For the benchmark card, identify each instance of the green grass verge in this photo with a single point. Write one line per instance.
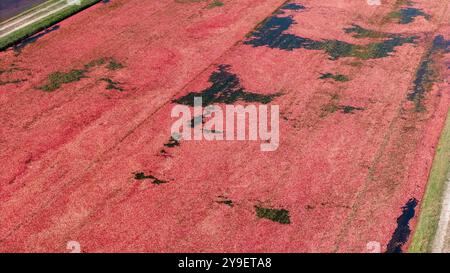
(25, 32)
(215, 4)
(422, 240)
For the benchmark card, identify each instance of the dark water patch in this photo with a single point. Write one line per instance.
(277, 215)
(157, 181)
(345, 109)
(402, 232)
(271, 33)
(225, 200)
(19, 47)
(112, 85)
(226, 88)
(163, 152)
(407, 15)
(425, 75)
(172, 143)
(348, 109)
(336, 77)
(440, 44)
(289, 7)
(142, 176)
(360, 32)
(422, 83)
(292, 6)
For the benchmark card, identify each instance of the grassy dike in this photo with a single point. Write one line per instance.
(423, 238)
(27, 31)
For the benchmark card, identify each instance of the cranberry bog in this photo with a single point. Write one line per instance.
(87, 154)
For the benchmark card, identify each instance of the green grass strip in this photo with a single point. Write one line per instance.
(423, 238)
(27, 31)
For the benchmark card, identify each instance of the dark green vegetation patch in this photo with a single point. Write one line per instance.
(226, 88)
(277, 215)
(348, 109)
(111, 64)
(360, 32)
(142, 176)
(334, 106)
(215, 4)
(114, 65)
(407, 15)
(172, 143)
(56, 79)
(224, 200)
(95, 63)
(336, 77)
(112, 85)
(426, 75)
(271, 33)
(211, 4)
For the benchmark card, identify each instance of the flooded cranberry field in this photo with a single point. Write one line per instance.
(87, 153)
